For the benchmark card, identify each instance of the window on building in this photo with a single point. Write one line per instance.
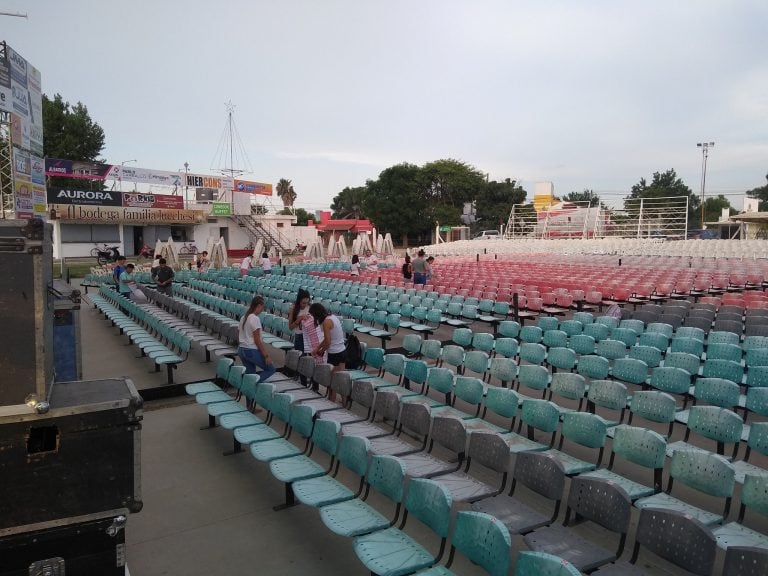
(71, 233)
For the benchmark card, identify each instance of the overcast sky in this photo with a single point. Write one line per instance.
(586, 94)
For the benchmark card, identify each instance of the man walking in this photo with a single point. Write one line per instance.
(163, 277)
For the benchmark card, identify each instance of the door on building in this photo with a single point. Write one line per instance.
(224, 233)
(138, 240)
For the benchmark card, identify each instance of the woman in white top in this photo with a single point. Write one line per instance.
(354, 267)
(245, 265)
(333, 340)
(296, 314)
(253, 351)
(266, 265)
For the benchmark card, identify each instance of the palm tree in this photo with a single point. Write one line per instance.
(286, 192)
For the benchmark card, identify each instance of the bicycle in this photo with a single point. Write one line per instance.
(187, 248)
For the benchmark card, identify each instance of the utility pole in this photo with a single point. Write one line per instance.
(705, 146)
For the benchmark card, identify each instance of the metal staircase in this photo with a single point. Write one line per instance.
(272, 237)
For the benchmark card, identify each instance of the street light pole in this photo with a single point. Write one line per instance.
(186, 189)
(705, 146)
(123, 163)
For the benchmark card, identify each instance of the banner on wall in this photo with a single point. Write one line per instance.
(97, 171)
(221, 209)
(114, 198)
(253, 187)
(21, 96)
(121, 214)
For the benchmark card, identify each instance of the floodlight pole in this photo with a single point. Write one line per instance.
(704, 153)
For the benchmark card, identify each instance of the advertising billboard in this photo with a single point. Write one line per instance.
(21, 96)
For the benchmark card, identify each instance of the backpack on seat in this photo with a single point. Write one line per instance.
(353, 355)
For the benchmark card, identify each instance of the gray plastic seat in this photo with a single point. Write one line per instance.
(674, 536)
(541, 473)
(745, 561)
(598, 501)
(488, 449)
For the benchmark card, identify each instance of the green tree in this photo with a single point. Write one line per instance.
(395, 202)
(286, 193)
(664, 185)
(302, 216)
(761, 194)
(72, 134)
(495, 200)
(446, 186)
(348, 204)
(586, 195)
(713, 207)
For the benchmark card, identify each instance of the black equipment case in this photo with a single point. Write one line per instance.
(26, 310)
(91, 545)
(81, 457)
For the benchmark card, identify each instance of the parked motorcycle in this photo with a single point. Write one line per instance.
(105, 254)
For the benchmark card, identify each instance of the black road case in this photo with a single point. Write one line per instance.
(26, 310)
(81, 457)
(91, 545)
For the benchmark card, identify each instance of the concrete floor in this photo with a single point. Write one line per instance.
(207, 514)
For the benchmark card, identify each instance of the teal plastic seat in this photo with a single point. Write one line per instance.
(476, 361)
(222, 371)
(757, 440)
(531, 334)
(503, 402)
(325, 490)
(610, 395)
(584, 429)
(533, 353)
(503, 369)
(714, 423)
(597, 330)
(630, 370)
(462, 337)
(541, 415)
(754, 495)
(687, 345)
(683, 360)
(654, 406)
(670, 379)
(648, 354)
(351, 518)
(509, 329)
(482, 539)
(727, 369)
(654, 339)
(569, 386)
(611, 349)
(547, 323)
(412, 344)
(553, 338)
(483, 341)
(469, 390)
(543, 564)
(713, 391)
(582, 344)
(593, 366)
(431, 350)
(710, 474)
(724, 351)
(639, 446)
(506, 347)
(572, 327)
(453, 356)
(608, 321)
(626, 335)
(561, 358)
(661, 328)
(391, 552)
(533, 377)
